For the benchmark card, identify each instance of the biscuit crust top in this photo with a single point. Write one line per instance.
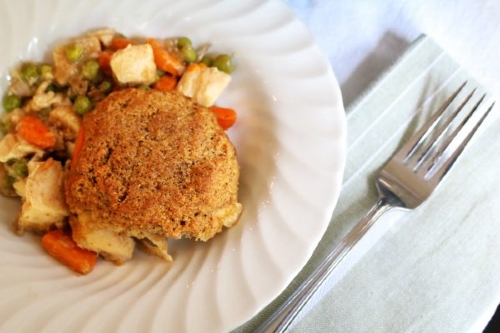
(154, 163)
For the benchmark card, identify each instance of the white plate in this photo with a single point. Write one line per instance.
(290, 138)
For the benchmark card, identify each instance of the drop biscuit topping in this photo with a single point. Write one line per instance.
(153, 164)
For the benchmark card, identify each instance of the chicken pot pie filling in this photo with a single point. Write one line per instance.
(118, 142)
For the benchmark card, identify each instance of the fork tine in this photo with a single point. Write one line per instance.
(428, 128)
(437, 175)
(438, 135)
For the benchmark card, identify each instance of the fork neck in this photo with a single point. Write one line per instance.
(387, 201)
(383, 205)
(386, 196)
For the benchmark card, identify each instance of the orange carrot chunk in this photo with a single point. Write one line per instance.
(165, 60)
(78, 147)
(165, 83)
(118, 43)
(61, 246)
(34, 131)
(225, 117)
(104, 61)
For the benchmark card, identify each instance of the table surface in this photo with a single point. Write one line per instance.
(363, 40)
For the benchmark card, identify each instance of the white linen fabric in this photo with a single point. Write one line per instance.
(361, 38)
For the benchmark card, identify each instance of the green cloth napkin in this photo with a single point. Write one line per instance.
(435, 269)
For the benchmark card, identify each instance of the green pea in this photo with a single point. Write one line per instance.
(45, 112)
(90, 70)
(9, 182)
(20, 168)
(105, 86)
(55, 88)
(4, 128)
(30, 72)
(74, 52)
(189, 53)
(183, 41)
(144, 87)
(207, 60)
(11, 102)
(46, 72)
(82, 105)
(224, 63)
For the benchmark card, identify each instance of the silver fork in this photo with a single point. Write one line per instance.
(406, 181)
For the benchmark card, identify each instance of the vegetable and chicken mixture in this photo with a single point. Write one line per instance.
(45, 102)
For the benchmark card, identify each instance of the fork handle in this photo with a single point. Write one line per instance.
(281, 320)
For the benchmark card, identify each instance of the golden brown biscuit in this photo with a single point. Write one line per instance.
(153, 164)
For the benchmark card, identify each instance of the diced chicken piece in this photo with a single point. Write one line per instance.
(105, 35)
(44, 99)
(13, 117)
(64, 69)
(20, 187)
(229, 214)
(70, 148)
(13, 147)
(43, 206)
(19, 87)
(134, 64)
(203, 84)
(79, 86)
(113, 247)
(66, 117)
(157, 246)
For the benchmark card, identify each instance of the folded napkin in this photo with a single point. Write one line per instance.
(434, 269)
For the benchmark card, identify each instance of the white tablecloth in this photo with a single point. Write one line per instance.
(362, 38)
(436, 269)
